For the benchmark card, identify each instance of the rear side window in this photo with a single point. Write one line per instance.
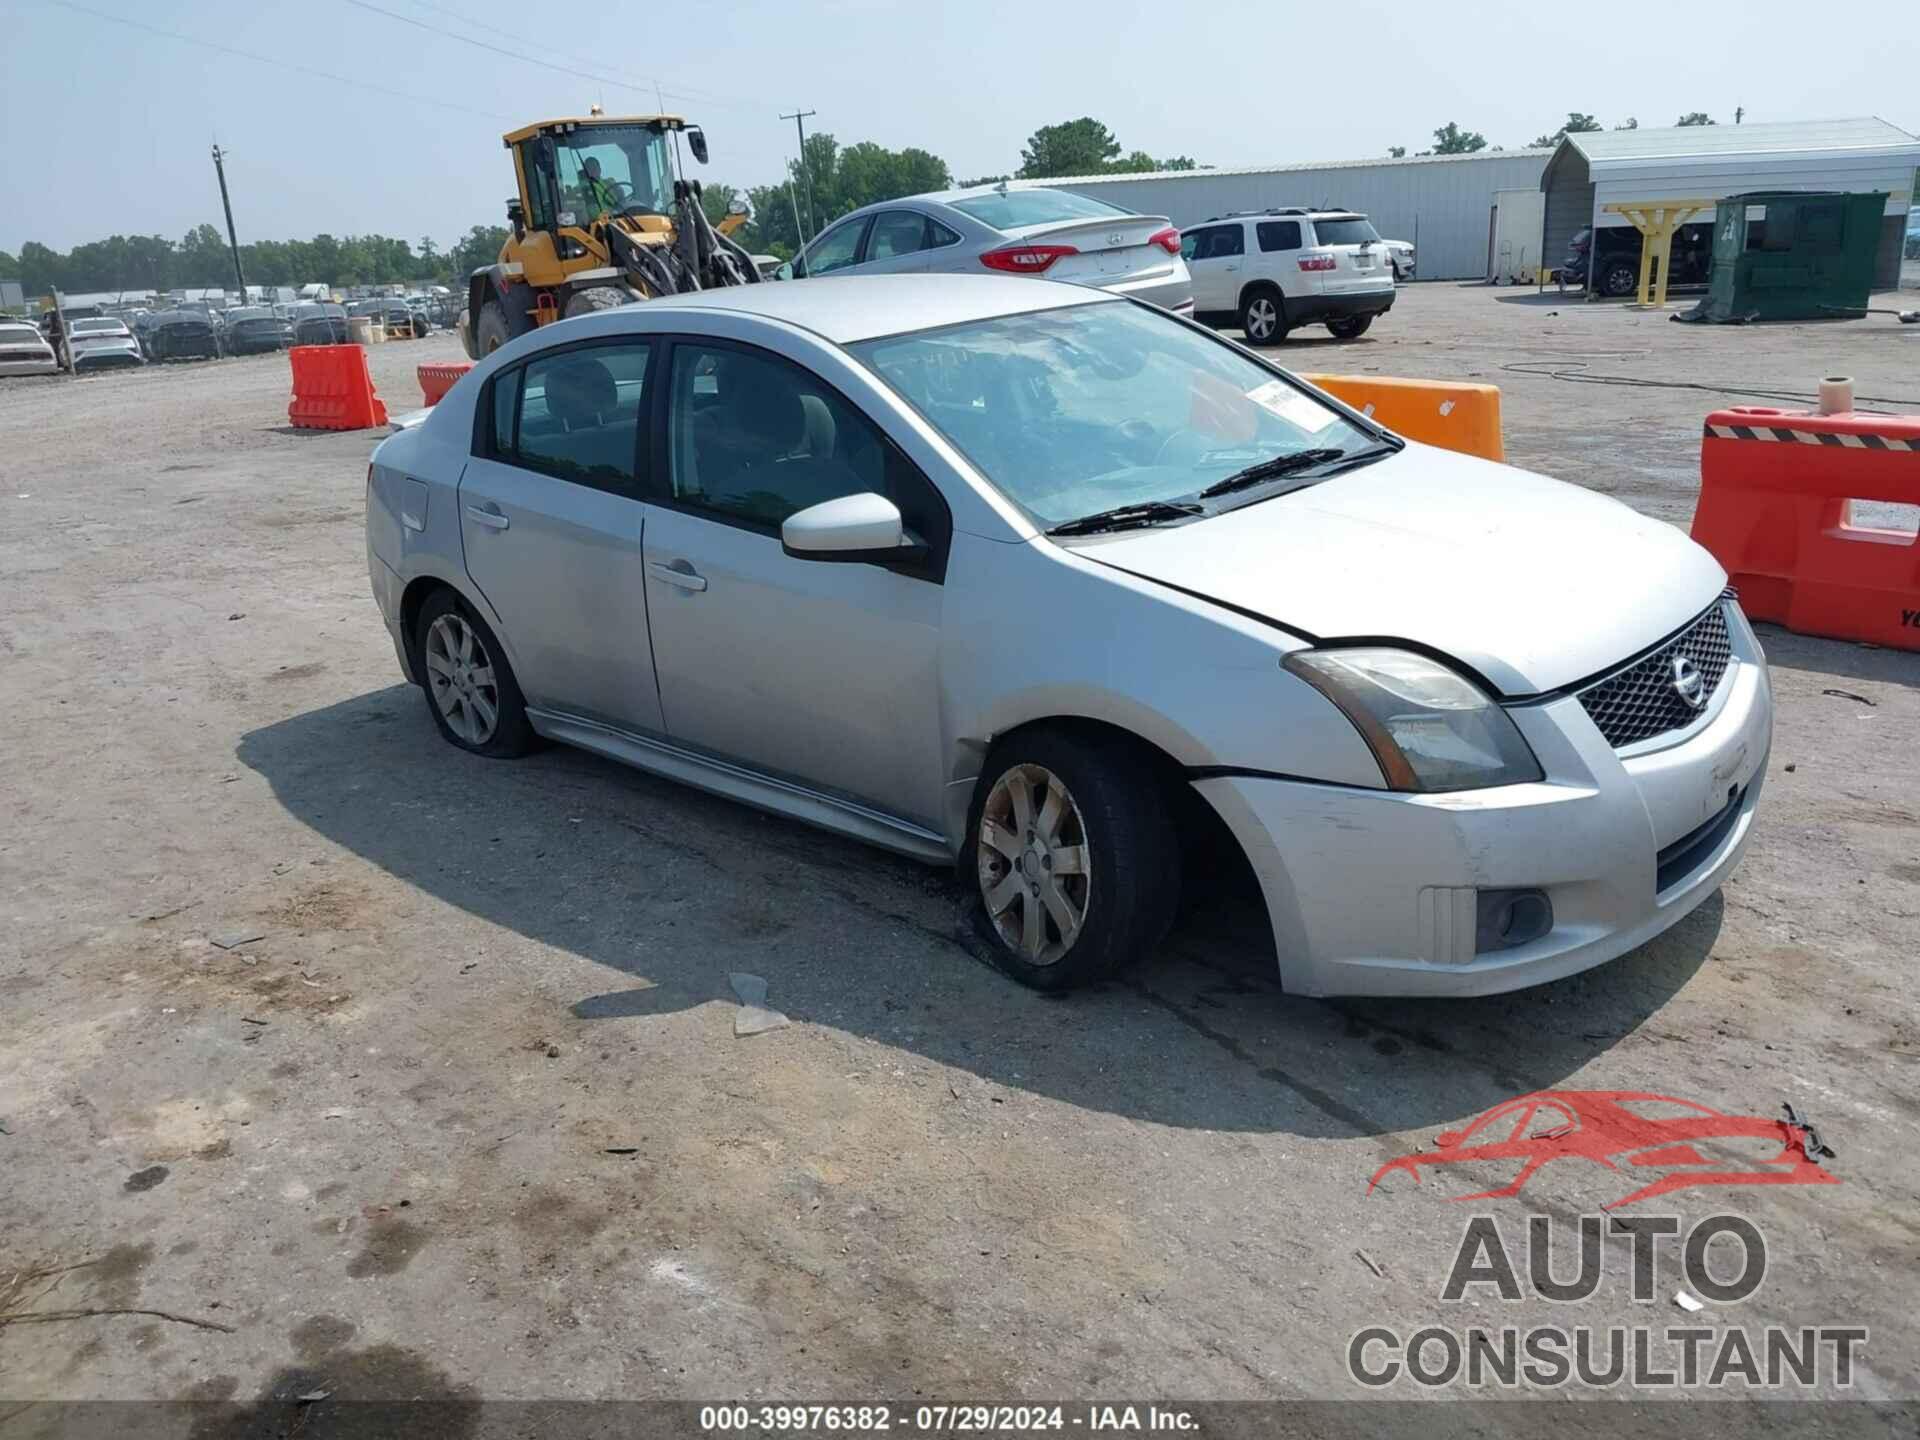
(575, 414)
(939, 235)
(1016, 209)
(1279, 234)
(896, 233)
(1356, 231)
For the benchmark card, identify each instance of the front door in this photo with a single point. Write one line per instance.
(822, 673)
(1214, 255)
(552, 523)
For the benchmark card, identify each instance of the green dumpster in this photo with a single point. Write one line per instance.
(1792, 255)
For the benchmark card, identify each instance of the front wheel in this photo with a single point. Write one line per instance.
(474, 699)
(1351, 327)
(1263, 316)
(490, 331)
(1072, 846)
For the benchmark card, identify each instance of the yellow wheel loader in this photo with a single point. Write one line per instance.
(601, 220)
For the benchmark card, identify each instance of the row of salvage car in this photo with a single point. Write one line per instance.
(101, 342)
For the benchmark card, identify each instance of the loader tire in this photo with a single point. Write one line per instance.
(593, 300)
(490, 331)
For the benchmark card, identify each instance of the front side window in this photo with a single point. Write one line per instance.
(896, 233)
(1217, 242)
(1279, 234)
(575, 414)
(614, 168)
(835, 250)
(755, 438)
(1075, 411)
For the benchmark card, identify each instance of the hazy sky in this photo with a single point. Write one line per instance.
(108, 126)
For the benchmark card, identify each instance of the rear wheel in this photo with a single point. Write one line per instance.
(1076, 866)
(1620, 277)
(593, 300)
(490, 331)
(1349, 328)
(1263, 316)
(475, 701)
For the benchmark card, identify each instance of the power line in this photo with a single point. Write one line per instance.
(654, 81)
(518, 56)
(309, 70)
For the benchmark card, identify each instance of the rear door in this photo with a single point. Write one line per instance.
(897, 244)
(1359, 256)
(551, 520)
(1214, 255)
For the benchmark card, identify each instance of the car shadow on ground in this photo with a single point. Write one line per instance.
(1827, 658)
(671, 890)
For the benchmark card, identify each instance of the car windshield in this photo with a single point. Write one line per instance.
(1080, 410)
(631, 161)
(1354, 231)
(1017, 209)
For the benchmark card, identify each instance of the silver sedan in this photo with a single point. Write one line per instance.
(1031, 230)
(1060, 588)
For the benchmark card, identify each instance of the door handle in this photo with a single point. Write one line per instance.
(483, 515)
(679, 573)
(1233, 267)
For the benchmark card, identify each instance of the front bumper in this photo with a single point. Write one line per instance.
(1366, 888)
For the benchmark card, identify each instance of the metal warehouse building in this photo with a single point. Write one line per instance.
(1590, 171)
(1442, 203)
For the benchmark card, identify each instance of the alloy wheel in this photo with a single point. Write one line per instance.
(1262, 318)
(1035, 866)
(461, 679)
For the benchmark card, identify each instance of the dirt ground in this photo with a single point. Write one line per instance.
(468, 1119)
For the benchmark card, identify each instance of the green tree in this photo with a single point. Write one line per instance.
(480, 248)
(1450, 139)
(42, 270)
(1075, 147)
(1695, 117)
(839, 180)
(1398, 152)
(9, 267)
(1577, 124)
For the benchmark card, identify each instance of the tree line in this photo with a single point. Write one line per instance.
(827, 181)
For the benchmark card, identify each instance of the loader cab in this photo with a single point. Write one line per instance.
(556, 209)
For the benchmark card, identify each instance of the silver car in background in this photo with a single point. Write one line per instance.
(994, 229)
(1069, 591)
(101, 344)
(25, 351)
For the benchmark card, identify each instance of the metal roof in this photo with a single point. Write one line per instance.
(1604, 147)
(1378, 161)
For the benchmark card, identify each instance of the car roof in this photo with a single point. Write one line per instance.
(850, 308)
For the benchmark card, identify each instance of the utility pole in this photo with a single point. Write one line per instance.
(220, 169)
(1738, 111)
(796, 118)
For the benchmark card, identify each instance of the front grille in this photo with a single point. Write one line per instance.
(1640, 702)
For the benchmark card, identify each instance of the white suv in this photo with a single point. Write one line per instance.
(1276, 270)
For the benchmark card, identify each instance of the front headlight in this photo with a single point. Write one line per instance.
(1430, 729)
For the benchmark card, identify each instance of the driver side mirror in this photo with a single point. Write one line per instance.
(856, 529)
(697, 143)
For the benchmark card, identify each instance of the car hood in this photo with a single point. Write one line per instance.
(1532, 583)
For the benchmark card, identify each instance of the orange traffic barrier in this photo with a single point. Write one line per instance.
(436, 380)
(1435, 412)
(332, 389)
(1777, 489)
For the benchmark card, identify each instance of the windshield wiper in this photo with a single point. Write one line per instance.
(1126, 517)
(1267, 469)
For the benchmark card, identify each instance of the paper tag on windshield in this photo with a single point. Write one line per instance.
(1279, 398)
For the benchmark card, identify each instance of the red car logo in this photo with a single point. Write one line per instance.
(1602, 1126)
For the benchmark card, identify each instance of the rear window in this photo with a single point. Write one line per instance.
(1356, 231)
(82, 327)
(1017, 209)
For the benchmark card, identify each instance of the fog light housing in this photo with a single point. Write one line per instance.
(1507, 919)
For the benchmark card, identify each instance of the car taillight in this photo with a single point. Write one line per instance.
(1316, 262)
(1167, 239)
(1027, 259)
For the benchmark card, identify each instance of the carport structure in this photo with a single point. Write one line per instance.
(1601, 177)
